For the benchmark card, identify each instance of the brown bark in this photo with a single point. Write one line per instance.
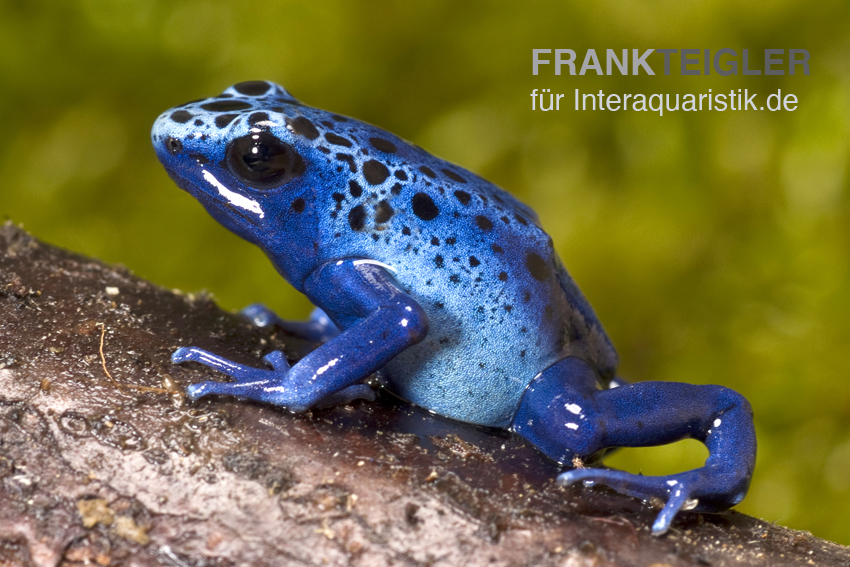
(121, 470)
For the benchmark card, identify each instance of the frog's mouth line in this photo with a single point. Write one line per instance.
(234, 210)
(215, 200)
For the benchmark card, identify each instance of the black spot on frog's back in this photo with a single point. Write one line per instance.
(257, 117)
(226, 105)
(383, 212)
(375, 172)
(357, 218)
(304, 127)
(428, 171)
(182, 116)
(383, 145)
(463, 197)
(252, 88)
(537, 267)
(223, 120)
(453, 176)
(337, 140)
(354, 188)
(424, 207)
(483, 223)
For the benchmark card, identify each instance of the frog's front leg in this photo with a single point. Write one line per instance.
(380, 319)
(566, 416)
(319, 328)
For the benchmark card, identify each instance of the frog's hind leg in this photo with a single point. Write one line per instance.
(319, 328)
(566, 416)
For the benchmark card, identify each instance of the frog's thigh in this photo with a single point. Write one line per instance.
(558, 414)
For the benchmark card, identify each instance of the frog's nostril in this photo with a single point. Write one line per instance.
(173, 145)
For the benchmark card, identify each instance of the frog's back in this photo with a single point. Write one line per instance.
(501, 305)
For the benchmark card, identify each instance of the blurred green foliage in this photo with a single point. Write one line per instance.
(713, 245)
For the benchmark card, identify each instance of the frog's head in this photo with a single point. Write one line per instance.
(284, 175)
(248, 157)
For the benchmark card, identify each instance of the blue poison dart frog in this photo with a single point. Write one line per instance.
(440, 280)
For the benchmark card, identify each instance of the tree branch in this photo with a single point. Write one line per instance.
(103, 462)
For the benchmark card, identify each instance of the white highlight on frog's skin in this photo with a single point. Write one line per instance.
(573, 408)
(331, 363)
(717, 422)
(265, 123)
(404, 322)
(235, 199)
(572, 426)
(374, 262)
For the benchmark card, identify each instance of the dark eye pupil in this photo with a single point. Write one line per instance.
(262, 161)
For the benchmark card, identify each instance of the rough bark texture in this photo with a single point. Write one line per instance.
(122, 471)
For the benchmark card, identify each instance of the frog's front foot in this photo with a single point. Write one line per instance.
(269, 386)
(250, 382)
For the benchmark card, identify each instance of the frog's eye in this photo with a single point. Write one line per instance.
(262, 161)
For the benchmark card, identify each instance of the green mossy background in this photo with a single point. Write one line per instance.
(714, 246)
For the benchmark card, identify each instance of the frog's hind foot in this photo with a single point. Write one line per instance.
(680, 492)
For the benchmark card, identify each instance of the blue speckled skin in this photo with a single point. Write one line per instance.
(439, 279)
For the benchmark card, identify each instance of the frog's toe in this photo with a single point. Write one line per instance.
(259, 315)
(277, 360)
(195, 354)
(680, 499)
(240, 372)
(197, 391)
(347, 395)
(180, 355)
(676, 493)
(638, 486)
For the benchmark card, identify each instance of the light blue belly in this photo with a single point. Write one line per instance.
(474, 365)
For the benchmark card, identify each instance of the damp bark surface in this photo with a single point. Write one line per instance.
(104, 462)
